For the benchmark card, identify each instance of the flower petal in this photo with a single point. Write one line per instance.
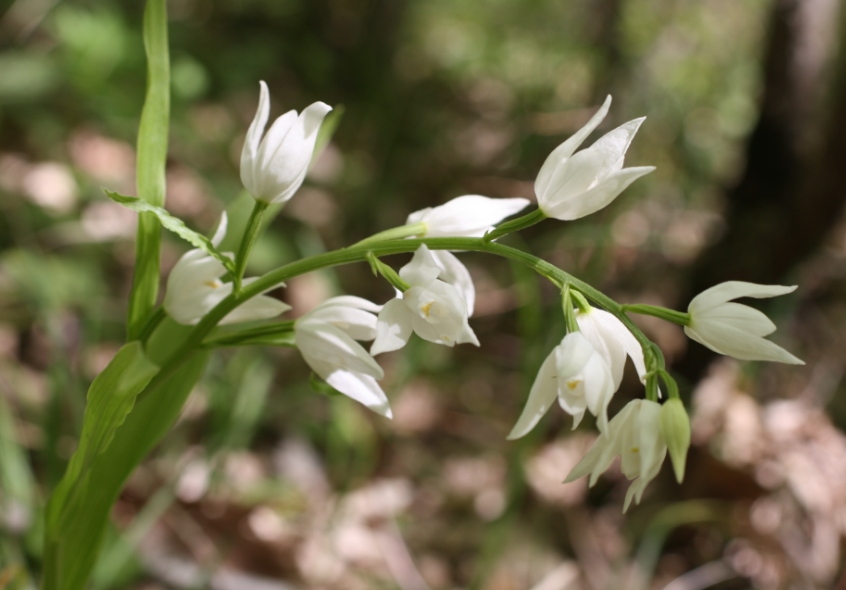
(249, 153)
(566, 149)
(467, 216)
(719, 294)
(570, 180)
(453, 272)
(422, 268)
(220, 232)
(613, 145)
(741, 345)
(599, 196)
(326, 349)
(603, 335)
(353, 315)
(393, 328)
(363, 389)
(260, 307)
(541, 397)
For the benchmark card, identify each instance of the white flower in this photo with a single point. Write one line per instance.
(733, 329)
(326, 337)
(430, 307)
(194, 288)
(273, 168)
(571, 186)
(469, 216)
(613, 340)
(575, 373)
(635, 435)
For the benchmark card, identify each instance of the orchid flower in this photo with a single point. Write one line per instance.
(575, 373)
(326, 337)
(430, 307)
(734, 329)
(194, 288)
(635, 434)
(274, 167)
(571, 186)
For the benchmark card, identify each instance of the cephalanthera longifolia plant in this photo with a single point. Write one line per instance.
(137, 398)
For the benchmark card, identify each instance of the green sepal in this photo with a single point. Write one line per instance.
(174, 224)
(320, 386)
(327, 130)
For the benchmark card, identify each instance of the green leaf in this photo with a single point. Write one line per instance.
(71, 549)
(150, 168)
(110, 399)
(173, 224)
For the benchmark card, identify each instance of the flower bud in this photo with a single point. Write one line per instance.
(675, 428)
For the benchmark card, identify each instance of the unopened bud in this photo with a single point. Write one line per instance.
(675, 428)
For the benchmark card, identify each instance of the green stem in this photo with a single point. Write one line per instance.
(152, 323)
(672, 386)
(150, 167)
(677, 317)
(395, 233)
(514, 225)
(359, 253)
(247, 242)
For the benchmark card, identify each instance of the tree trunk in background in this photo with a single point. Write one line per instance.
(793, 189)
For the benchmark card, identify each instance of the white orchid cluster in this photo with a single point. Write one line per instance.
(435, 298)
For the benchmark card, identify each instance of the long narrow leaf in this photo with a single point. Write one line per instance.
(152, 153)
(173, 224)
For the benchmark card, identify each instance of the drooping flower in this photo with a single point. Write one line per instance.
(194, 288)
(571, 186)
(635, 435)
(613, 340)
(326, 337)
(734, 329)
(430, 307)
(578, 376)
(469, 216)
(274, 167)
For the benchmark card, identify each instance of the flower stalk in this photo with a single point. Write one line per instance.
(248, 241)
(514, 225)
(677, 317)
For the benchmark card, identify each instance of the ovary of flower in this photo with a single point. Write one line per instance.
(430, 307)
(613, 340)
(194, 288)
(273, 168)
(469, 216)
(326, 337)
(734, 329)
(578, 376)
(635, 435)
(571, 186)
